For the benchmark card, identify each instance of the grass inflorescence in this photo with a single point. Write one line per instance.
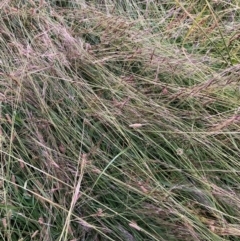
(119, 120)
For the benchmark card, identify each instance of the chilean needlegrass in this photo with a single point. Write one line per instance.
(119, 121)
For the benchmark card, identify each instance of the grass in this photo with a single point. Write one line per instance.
(119, 121)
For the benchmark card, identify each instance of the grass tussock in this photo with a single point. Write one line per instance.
(119, 121)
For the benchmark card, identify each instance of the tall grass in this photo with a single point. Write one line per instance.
(119, 121)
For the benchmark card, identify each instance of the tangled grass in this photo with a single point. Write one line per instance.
(119, 121)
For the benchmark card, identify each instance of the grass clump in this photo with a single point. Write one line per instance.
(119, 121)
